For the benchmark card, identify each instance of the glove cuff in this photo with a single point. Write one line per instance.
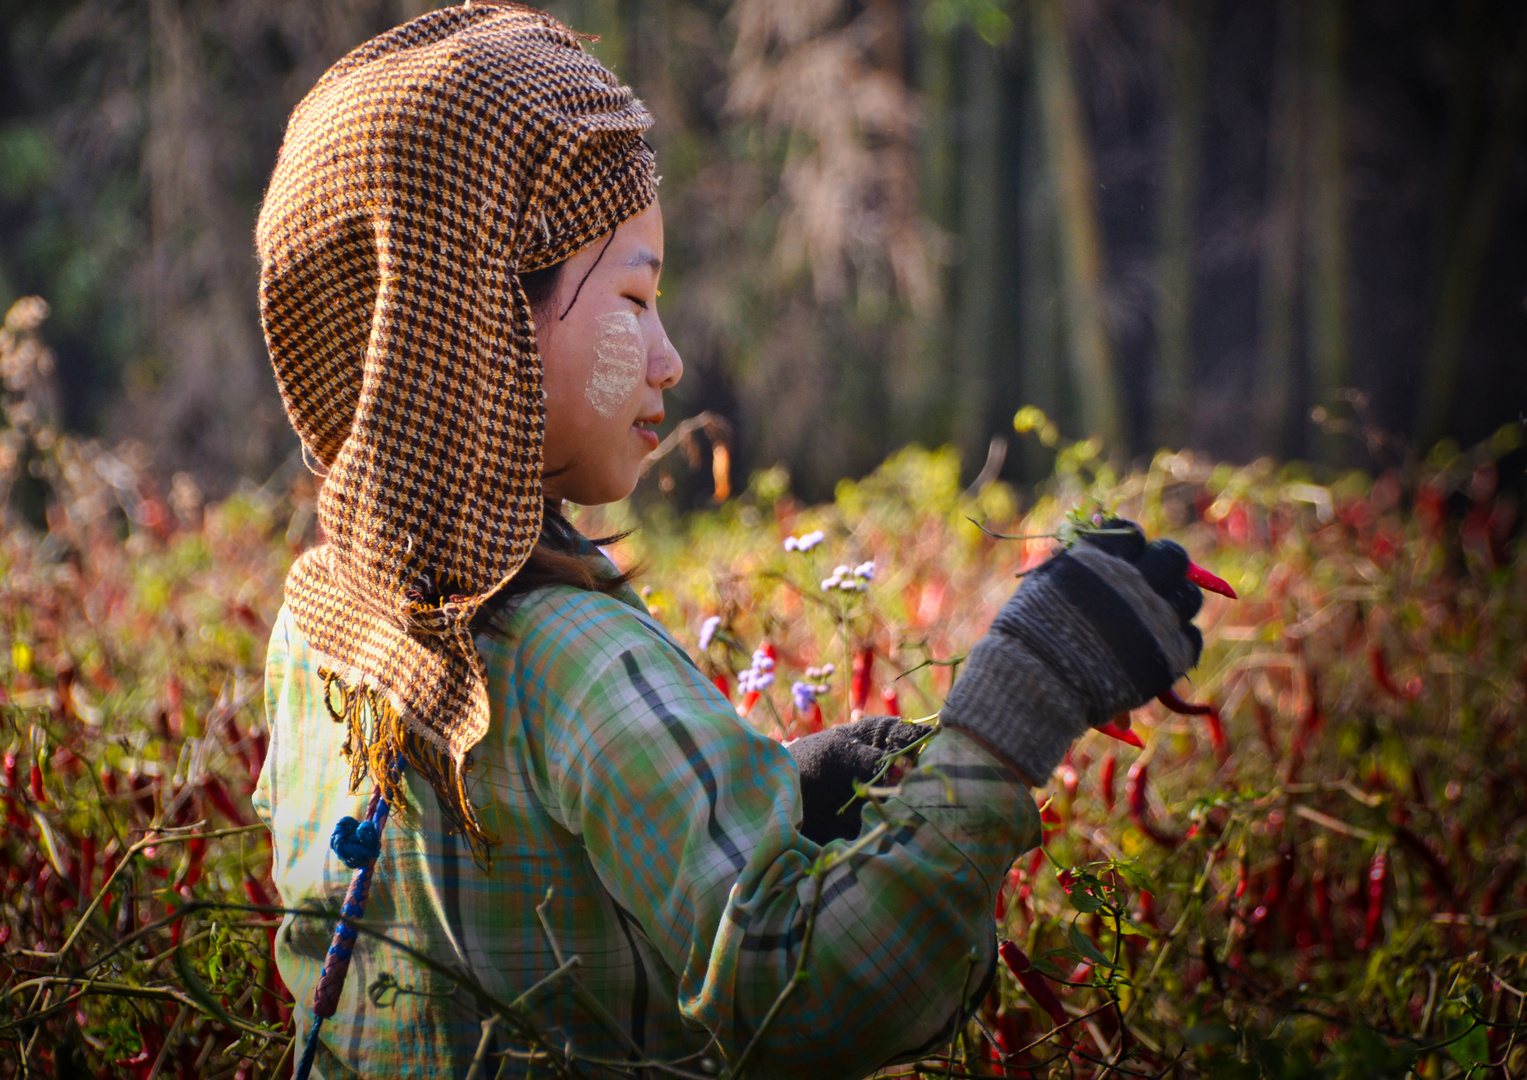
(1012, 701)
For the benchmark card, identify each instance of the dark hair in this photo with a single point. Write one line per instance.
(540, 286)
(560, 557)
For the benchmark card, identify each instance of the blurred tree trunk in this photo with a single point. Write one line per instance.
(1326, 218)
(1090, 352)
(1465, 259)
(978, 246)
(1186, 48)
(1041, 337)
(1275, 382)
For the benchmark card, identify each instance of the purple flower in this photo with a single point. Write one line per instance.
(804, 694)
(804, 542)
(708, 631)
(865, 570)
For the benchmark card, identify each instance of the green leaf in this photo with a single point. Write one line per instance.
(1474, 1046)
(198, 992)
(1134, 875)
(1083, 944)
(1084, 902)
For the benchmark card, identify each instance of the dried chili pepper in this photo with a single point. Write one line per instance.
(1106, 773)
(217, 795)
(1038, 988)
(1135, 791)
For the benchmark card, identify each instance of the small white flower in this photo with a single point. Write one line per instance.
(708, 631)
(865, 570)
(792, 544)
(810, 540)
(831, 582)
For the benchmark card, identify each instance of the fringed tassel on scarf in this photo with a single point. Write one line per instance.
(374, 753)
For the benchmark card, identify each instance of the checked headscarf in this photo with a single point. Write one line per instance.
(417, 179)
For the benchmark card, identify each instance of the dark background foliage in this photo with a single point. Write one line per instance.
(1166, 222)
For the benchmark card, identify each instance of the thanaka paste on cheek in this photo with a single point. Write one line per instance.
(618, 363)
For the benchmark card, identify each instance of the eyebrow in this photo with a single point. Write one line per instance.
(645, 257)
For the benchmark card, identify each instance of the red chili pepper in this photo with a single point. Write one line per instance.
(888, 698)
(177, 928)
(1205, 580)
(217, 795)
(1146, 913)
(1378, 871)
(38, 793)
(859, 686)
(1217, 736)
(195, 850)
(1277, 887)
(1124, 735)
(720, 682)
(1320, 885)
(1135, 786)
(814, 722)
(1050, 821)
(1380, 669)
(1038, 988)
(1106, 773)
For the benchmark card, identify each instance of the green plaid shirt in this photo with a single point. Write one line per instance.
(615, 776)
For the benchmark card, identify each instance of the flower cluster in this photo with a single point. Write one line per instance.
(851, 578)
(760, 676)
(804, 542)
(708, 631)
(806, 692)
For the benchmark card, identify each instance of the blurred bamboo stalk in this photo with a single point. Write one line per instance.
(1275, 382)
(1186, 43)
(979, 237)
(1094, 377)
(1326, 217)
(1466, 255)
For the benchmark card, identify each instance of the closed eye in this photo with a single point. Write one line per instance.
(638, 302)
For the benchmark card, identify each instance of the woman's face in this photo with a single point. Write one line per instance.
(606, 363)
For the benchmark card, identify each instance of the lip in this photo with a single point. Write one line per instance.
(645, 433)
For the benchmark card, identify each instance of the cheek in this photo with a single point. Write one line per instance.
(618, 363)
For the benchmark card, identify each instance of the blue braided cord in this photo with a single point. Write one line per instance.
(309, 1050)
(357, 843)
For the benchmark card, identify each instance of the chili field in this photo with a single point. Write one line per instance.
(1319, 873)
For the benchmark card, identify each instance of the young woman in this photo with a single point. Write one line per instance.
(460, 251)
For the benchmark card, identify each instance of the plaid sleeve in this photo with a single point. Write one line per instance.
(688, 817)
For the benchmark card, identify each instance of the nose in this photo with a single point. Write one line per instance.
(664, 366)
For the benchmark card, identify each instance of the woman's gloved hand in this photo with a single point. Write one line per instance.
(1098, 630)
(831, 761)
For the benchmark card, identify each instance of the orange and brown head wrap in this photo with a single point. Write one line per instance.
(418, 178)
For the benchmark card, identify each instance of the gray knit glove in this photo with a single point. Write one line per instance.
(1099, 629)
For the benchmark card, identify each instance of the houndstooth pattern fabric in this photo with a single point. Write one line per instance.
(416, 179)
